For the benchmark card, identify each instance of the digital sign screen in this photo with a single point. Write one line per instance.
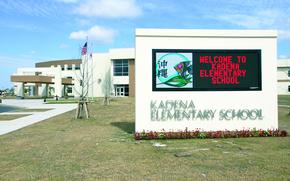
(206, 70)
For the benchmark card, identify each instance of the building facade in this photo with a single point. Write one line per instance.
(107, 73)
(283, 76)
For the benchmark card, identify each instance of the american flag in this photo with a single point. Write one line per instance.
(84, 49)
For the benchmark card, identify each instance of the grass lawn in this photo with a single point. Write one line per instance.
(62, 101)
(284, 100)
(103, 148)
(69, 101)
(32, 110)
(11, 117)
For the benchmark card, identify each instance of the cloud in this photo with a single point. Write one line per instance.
(258, 19)
(32, 52)
(20, 26)
(98, 33)
(68, 1)
(284, 34)
(16, 61)
(83, 22)
(63, 46)
(159, 6)
(283, 57)
(109, 8)
(41, 8)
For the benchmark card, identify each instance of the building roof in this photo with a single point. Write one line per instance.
(206, 33)
(39, 79)
(58, 62)
(283, 63)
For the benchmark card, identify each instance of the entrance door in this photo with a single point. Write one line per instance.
(120, 91)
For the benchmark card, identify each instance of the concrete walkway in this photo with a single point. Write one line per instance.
(12, 125)
(284, 106)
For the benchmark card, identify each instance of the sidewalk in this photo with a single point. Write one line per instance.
(283, 106)
(12, 125)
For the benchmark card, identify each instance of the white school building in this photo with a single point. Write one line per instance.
(283, 76)
(62, 78)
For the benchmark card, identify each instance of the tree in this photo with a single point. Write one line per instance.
(11, 91)
(107, 88)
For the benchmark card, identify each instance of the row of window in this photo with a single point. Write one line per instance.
(120, 90)
(69, 67)
(121, 67)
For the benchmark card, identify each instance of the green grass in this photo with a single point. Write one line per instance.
(31, 110)
(8, 97)
(284, 100)
(62, 101)
(25, 97)
(9, 117)
(69, 101)
(103, 148)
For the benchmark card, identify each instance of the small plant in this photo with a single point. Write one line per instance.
(202, 135)
(138, 136)
(210, 134)
(161, 136)
(255, 133)
(143, 135)
(283, 133)
(266, 133)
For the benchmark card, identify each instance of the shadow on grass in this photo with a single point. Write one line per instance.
(128, 127)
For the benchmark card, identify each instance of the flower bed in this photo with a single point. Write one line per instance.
(209, 134)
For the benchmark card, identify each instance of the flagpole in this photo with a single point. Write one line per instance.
(83, 103)
(87, 73)
(92, 71)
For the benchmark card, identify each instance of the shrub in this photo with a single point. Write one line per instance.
(210, 134)
(202, 135)
(283, 133)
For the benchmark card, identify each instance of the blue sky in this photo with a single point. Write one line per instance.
(39, 30)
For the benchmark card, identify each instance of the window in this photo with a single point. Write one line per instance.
(126, 90)
(288, 88)
(120, 67)
(69, 90)
(62, 67)
(69, 67)
(288, 73)
(77, 67)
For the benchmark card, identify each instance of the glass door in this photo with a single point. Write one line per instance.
(120, 91)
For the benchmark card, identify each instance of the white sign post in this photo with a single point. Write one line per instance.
(211, 80)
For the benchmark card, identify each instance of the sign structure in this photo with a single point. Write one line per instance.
(211, 80)
(206, 70)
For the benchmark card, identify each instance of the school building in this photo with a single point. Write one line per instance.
(63, 78)
(283, 76)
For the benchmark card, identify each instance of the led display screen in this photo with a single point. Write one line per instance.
(206, 70)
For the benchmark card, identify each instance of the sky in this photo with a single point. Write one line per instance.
(41, 30)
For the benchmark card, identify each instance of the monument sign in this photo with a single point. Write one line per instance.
(205, 79)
